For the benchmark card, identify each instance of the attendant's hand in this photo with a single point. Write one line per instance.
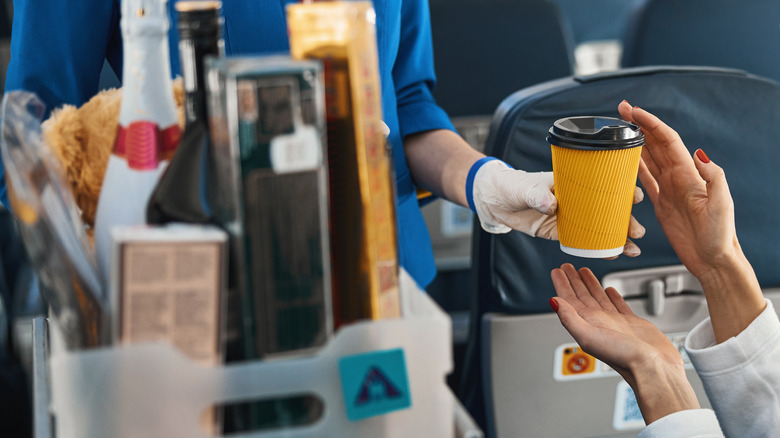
(605, 327)
(506, 199)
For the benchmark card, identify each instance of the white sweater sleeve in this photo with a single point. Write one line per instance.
(741, 375)
(691, 423)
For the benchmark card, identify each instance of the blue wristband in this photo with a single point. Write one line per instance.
(470, 180)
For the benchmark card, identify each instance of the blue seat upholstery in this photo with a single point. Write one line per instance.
(5, 39)
(5, 20)
(598, 20)
(730, 114)
(723, 33)
(484, 50)
(108, 79)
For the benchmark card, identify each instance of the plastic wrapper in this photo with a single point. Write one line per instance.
(50, 225)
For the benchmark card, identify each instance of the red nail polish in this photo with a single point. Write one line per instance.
(554, 304)
(702, 156)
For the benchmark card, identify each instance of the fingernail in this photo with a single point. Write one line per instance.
(624, 101)
(702, 156)
(631, 251)
(554, 304)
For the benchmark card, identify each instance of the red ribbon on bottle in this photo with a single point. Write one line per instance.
(144, 145)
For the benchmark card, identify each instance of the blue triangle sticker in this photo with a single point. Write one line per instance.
(374, 383)
(376, 387)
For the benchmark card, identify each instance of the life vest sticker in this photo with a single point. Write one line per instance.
(627, 415)
(374, 383)
(456, 221)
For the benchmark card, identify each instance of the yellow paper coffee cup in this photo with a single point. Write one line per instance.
(595, 165)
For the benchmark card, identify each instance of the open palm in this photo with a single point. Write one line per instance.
(690, 196)
(604, 326)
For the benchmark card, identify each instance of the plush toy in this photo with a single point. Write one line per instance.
(83, 138)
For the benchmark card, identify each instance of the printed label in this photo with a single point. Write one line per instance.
(298, 151)
(627, 414)
(571, 363)
(143, 144)
(374, 383)
(170, 292)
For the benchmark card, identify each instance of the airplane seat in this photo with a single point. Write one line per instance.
(111, 72)
(597, 27)
(597, 20)
(108, 78)
(483, 50)
(5, 41)
(723, 33)
(515, 380)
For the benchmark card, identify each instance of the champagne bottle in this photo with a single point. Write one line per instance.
(148, 131)
(180, 195)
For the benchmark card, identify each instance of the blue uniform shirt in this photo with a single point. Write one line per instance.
(58, 50)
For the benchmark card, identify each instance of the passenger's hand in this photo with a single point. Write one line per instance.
(690, 195)
(695, 209)
(506, 199)
(605, 327)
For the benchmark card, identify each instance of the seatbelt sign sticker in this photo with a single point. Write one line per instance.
(374, 383)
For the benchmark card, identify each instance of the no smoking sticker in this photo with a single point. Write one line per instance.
(572, 363)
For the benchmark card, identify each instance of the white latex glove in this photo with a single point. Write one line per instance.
(506, 199)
